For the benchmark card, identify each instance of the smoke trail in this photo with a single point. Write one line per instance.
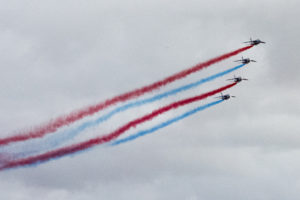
(164, 124)
(106, 138)
(53, 125)
(56, 140)
(5, 157)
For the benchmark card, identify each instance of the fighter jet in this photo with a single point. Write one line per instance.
(237, 79)
(245, 60)
(225, 97)
(254, 42)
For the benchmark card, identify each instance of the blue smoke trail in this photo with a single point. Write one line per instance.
(164, 124)
(57, 139)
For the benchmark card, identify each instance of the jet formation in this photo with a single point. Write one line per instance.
(243, 61)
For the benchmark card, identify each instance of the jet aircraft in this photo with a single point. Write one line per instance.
(224, 97)
(254, 42)
(245, 60)
(237, 79)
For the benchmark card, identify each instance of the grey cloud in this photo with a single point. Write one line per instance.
(61, 55)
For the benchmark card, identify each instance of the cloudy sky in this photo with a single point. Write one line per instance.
(58, 56)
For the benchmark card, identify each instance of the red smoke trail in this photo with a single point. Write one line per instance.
(106, 138)
(52, 126)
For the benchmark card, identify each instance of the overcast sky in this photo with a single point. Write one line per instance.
(59, 56)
